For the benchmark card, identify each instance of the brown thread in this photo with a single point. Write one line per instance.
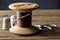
(24, 22)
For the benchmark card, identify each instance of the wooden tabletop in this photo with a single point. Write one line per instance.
(38, 17)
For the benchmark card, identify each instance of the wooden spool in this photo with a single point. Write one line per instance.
(24, 18)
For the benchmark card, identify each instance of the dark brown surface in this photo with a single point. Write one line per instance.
(39, 17)
(24, 21)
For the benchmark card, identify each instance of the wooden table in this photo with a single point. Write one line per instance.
(39, 17)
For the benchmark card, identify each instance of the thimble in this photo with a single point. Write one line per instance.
(6, 23)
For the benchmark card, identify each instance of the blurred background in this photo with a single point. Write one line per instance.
(44, 4)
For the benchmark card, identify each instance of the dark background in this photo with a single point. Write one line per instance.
(44, 4)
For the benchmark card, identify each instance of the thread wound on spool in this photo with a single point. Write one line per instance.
(24, 19)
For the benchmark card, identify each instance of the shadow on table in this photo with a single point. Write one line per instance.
(54, 32)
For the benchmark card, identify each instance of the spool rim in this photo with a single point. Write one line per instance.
(23, 31)
(23, 6)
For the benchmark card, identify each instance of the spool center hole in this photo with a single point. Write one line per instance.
(19, 5)
(28, 3)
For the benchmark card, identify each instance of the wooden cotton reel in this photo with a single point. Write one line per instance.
(24, 18)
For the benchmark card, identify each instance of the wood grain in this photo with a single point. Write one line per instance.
(38, 17)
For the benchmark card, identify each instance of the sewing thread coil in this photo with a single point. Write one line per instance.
(24, 19)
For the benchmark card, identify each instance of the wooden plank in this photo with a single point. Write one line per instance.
(39, 17)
